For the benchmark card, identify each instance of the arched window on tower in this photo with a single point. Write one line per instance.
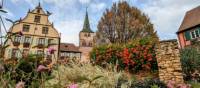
(88, 34)
(85, 35)
(83, 43)
(90, 44)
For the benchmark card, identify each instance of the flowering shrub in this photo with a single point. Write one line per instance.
(25, 72)
(135, 56)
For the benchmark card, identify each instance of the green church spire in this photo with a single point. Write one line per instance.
(86, 26)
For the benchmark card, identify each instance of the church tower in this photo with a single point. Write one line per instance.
(86, 39)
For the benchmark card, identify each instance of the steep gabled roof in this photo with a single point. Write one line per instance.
(86, 26)
(191, 19)
(39, 9)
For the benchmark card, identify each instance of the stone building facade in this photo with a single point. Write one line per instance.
(86, 40)
(38, 32)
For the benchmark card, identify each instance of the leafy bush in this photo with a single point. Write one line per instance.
(134, 56)
(190, 59)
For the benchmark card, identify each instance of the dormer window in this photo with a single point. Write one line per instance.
(37, 19)
(38, 10)
(26, 28)
(45, 30)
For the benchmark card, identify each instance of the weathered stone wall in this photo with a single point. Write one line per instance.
(168, 58)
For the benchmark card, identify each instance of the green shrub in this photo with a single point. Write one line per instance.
(190, 59)
(194, 84)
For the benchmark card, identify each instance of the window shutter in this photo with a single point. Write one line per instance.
(22, 39)
(46, 42)
(55, 41)
(13, 38)
(20, 53)
(30, 39)
(36, 41)
(187, 35)
(199, 30)
(9, 52)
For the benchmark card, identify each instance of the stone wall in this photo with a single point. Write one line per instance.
(168, 58)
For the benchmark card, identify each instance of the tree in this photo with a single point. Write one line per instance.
(123, 23)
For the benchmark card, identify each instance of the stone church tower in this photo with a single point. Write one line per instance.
(86, 40)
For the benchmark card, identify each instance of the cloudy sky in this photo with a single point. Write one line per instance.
(68, 15)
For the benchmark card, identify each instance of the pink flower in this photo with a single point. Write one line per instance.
(20, 85)
(51, 50)
(171, 84)
(73, 86)
(41, 68)
(183, 86)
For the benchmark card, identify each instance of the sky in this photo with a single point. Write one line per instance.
(68, 15)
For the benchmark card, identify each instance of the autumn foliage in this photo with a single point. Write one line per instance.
(134, 56)
(123, 22)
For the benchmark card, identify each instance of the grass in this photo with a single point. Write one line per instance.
(85, 75)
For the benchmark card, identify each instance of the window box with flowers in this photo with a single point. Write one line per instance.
(27, 42)
(17, 40)
(41, 43)
(16, 43)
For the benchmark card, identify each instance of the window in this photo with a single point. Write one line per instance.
(37, 19)
(45, 30)
(83, 43)
(85, 35)
(27, 40)
(90, 44)
(14, 53)
(40, 52)
(195, 34)
(62, 54)
(26, 28)
(89, 35)
(41, 41)
(25, 52)
(50, 41)
(17, 39)
(38, 10)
